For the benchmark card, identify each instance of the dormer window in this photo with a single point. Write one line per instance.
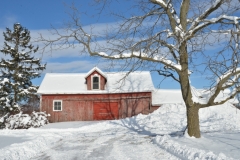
(95, 82)
(95, 79)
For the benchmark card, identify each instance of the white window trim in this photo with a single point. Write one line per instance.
(99, 83)
(40, 103)
(61, 105)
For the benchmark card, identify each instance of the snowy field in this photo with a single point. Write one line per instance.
(154, 137)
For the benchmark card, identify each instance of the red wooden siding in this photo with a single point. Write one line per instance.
(105, 110)
(87, 107)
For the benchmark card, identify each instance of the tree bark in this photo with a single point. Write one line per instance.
(193, 121)
(192, 108)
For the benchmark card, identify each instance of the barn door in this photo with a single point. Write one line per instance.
(105, 110)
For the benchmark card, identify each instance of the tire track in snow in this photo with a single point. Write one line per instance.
(139, 147)
(109, 144)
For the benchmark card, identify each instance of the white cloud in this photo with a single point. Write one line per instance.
(57, 53)
(56, 60)
(72, 67)
(9, 21)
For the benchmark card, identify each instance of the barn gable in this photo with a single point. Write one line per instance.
(96, 79)
(96, 69)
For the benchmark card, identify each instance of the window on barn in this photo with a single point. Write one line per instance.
(95, 82)
(57, 105)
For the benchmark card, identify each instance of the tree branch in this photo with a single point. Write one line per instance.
(167, 74)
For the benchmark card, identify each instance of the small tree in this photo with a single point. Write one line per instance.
(31, 104)
(177, 37)
(18, 68)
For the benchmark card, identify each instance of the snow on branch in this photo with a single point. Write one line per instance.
(163, 43)
(206, 22)
(204, 15)
(85, 39)
(224, 82)
(142, 56)
(171, 12)
(202, 22)
(160, 2)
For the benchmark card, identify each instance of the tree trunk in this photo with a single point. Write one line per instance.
(193, 121)
(192, 108)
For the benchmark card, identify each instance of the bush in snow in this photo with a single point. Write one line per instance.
(25, 121)
(2, 120)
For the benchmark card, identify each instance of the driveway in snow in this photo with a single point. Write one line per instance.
(103, 141)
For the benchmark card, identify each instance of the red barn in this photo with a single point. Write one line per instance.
(96, 95)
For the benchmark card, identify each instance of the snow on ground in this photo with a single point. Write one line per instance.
(155, 136)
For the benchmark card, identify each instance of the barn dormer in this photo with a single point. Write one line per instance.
(95, 79)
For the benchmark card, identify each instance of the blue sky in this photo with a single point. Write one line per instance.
(38, 16)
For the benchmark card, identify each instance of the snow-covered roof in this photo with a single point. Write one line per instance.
(75, 83)
(95, 69)
(168, 96)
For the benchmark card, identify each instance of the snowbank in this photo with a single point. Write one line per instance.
(224, 117)
(25, 121)
(168, 123)
(186, 152)
(171, 118)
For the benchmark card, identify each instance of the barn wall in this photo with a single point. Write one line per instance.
(153, 108)
(80, 107)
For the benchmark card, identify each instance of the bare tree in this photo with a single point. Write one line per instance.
(175, 37)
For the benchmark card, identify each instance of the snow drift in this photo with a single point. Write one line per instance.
(169, 122)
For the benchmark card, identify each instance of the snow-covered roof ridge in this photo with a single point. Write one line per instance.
(117, 82)
(167, 96)
(174, 96)
(96, 69)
